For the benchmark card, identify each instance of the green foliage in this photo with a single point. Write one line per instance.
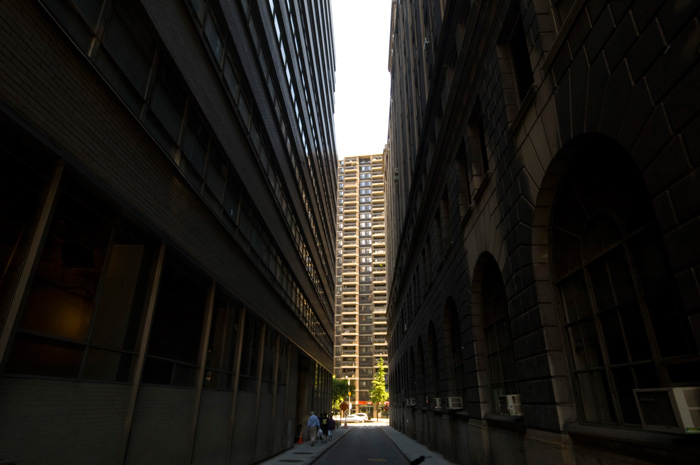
(340, 391)
(378, 394)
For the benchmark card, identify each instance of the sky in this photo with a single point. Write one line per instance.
(362, 80)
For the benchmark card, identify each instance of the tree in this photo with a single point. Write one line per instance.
(378, 394)
(340, 391)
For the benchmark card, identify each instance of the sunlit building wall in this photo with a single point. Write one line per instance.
(360, 308)
(167, 229)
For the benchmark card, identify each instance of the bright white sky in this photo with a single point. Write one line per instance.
(362, 80)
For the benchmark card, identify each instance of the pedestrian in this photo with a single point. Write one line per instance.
(331, 426)
(313, 425)
(324, 426)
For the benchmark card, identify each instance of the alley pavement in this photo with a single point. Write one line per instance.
(306, 454)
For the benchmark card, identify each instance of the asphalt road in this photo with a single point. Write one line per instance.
(363, 444)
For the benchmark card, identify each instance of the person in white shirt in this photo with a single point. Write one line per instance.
(313, 425)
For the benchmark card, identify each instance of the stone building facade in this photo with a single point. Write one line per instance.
(167, 229)
(543, 230)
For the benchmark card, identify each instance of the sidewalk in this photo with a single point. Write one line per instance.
(305, 454)
(412, 449)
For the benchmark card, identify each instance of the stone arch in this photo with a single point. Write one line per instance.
(412, 374)
(453, 344)
(493, 343)
(421, 391)
(598, 253)
(433, 363)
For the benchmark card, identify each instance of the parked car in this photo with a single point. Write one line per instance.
(356, 418)
(363, 415)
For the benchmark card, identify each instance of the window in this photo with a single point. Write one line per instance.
(67, 328)
(512, 40)
(476, 138)
(167, 106)
(214, 38)
(21, 188)
(499, 342)
(222, 344)
(176, 332)
(624, 323)
(462, 180)
(250, 354)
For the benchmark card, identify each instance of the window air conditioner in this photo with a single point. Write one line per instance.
(454, 403)
(438, 402)
(670, 410)
(510, 404)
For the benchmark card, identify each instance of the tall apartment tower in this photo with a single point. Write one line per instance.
(360, 310)
(167, 228)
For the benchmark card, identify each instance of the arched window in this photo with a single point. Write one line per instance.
(621, 315)
(420, 371)
(433, 362)
(453, 335)
(499, 342)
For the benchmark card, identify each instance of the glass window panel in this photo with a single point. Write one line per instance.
(157, 371)
(646, 376)
(89, 10)
(244, 111)
(62, 296)
(197, 7)
(168, 101)
(215, 176)
(194, 143)
(178, 318)
(592, 344)
(230, 78)
(35, 355)
(108, 365)
(184, 375)
(650, 264)
(213, 38)
(120, 308)
(129, 42)
(231, 201)
(624, 384)
(621, 277)
(72, 23)
(595, 403)
(614, 342)
(635, 333)
(21, 189)
(669, 325)
(600, 281)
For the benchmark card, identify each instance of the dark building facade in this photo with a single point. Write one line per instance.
(543, 230)
(167, 228)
